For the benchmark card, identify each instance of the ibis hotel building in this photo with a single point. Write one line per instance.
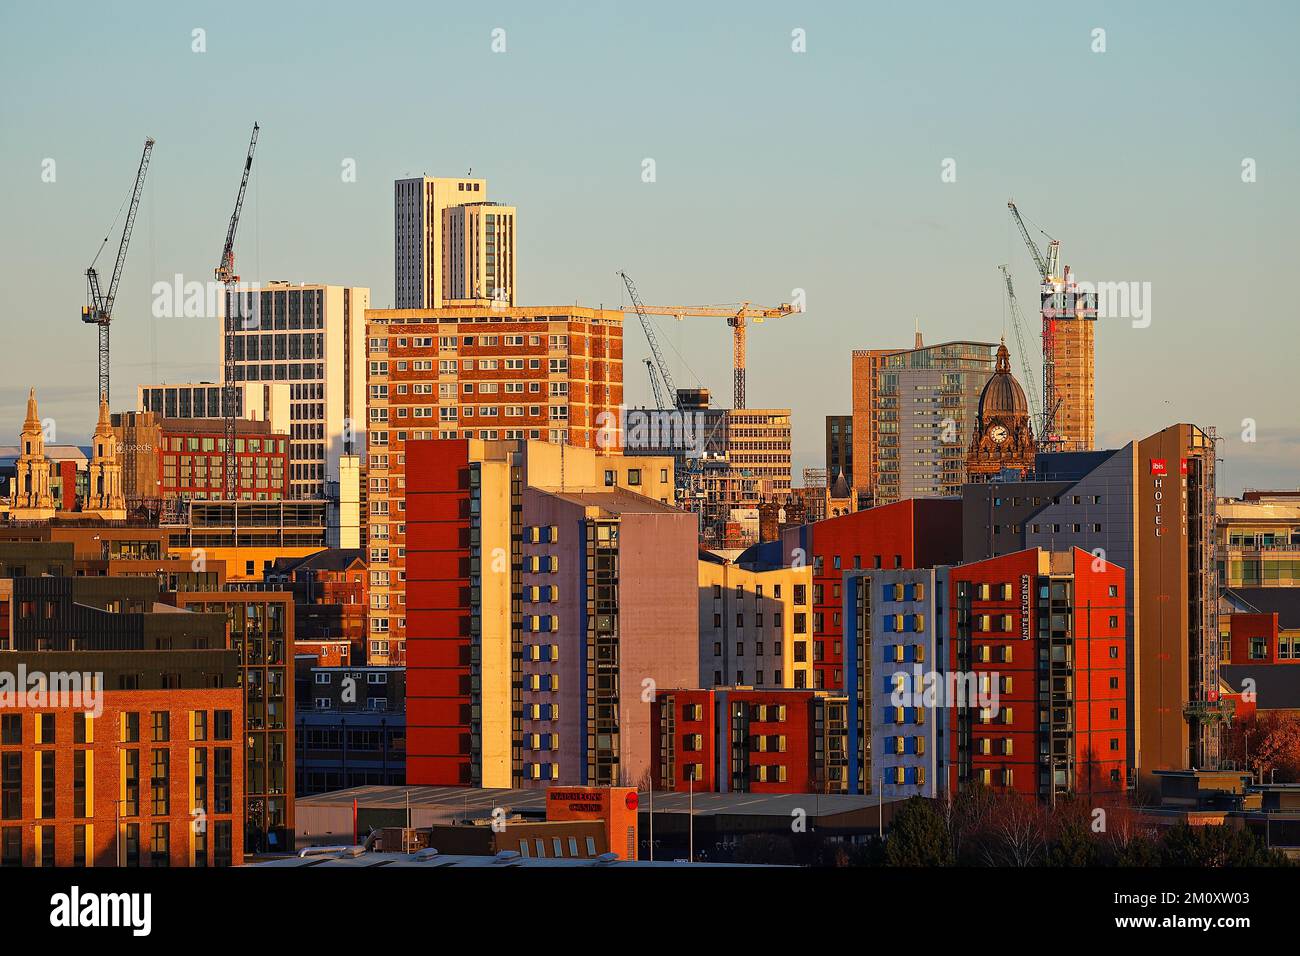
(1149, 508)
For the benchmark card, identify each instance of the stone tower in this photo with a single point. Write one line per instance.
(104, 496)
(32, 499)
(1004, 437)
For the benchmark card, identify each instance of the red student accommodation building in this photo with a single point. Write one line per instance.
(739, 739)
(915, 533)
(1046, 631)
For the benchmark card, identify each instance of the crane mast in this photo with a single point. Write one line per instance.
(1049, 272)
(99, 311)
(225, 274)
(1027, 367)
(648, 328)
(654, 383)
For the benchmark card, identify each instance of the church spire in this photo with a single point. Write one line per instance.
(32, 499)
(33, 419)
(104, 494)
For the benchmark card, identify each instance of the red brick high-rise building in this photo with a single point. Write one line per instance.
(549, 373)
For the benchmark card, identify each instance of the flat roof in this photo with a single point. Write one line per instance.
(345, 858)
(1277, 686)
(1282, 601)
(614, 501)
(478, 801)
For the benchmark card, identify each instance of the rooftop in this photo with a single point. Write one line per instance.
(463, 802)
(1277, 686)
(427, 859)
(330, 559)
(614, 501)
(9, 453)
(1282, 601)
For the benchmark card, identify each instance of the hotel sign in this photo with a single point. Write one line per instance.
(1160, 471)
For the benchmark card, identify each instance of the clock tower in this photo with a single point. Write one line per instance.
(1004, 436)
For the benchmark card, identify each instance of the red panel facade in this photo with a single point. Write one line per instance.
(1254, 639)
(1007, 652)
(905, 534)
(775, 731)
(438, 613)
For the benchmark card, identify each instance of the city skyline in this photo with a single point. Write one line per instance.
(860, 230)
(586, 436)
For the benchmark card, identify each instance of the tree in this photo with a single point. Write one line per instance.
(918, 836)
(1215, 845)
(1071, 841)
(870, 852)
(1015, 834)
(1279, 750)
(967, 815)
(1126, 839)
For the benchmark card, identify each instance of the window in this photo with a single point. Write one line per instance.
(11, 847)
(79, 783)
(45, 803)
(79, 845)
(221, 841)
(159, 849)
(11, 786)
(159, 783)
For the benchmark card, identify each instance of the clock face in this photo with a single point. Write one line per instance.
(998, 433)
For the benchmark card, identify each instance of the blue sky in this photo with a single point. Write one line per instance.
(775, 171)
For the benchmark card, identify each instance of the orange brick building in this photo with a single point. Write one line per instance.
(541, 372)
(156, 778)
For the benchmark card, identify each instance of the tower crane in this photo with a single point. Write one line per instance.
(659, 364)
(1027, 367)
(225, 274)
(738, 316)
(654, 383)
(1049, 272)
(99, 310)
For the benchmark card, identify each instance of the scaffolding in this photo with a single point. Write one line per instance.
(1205, 712)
